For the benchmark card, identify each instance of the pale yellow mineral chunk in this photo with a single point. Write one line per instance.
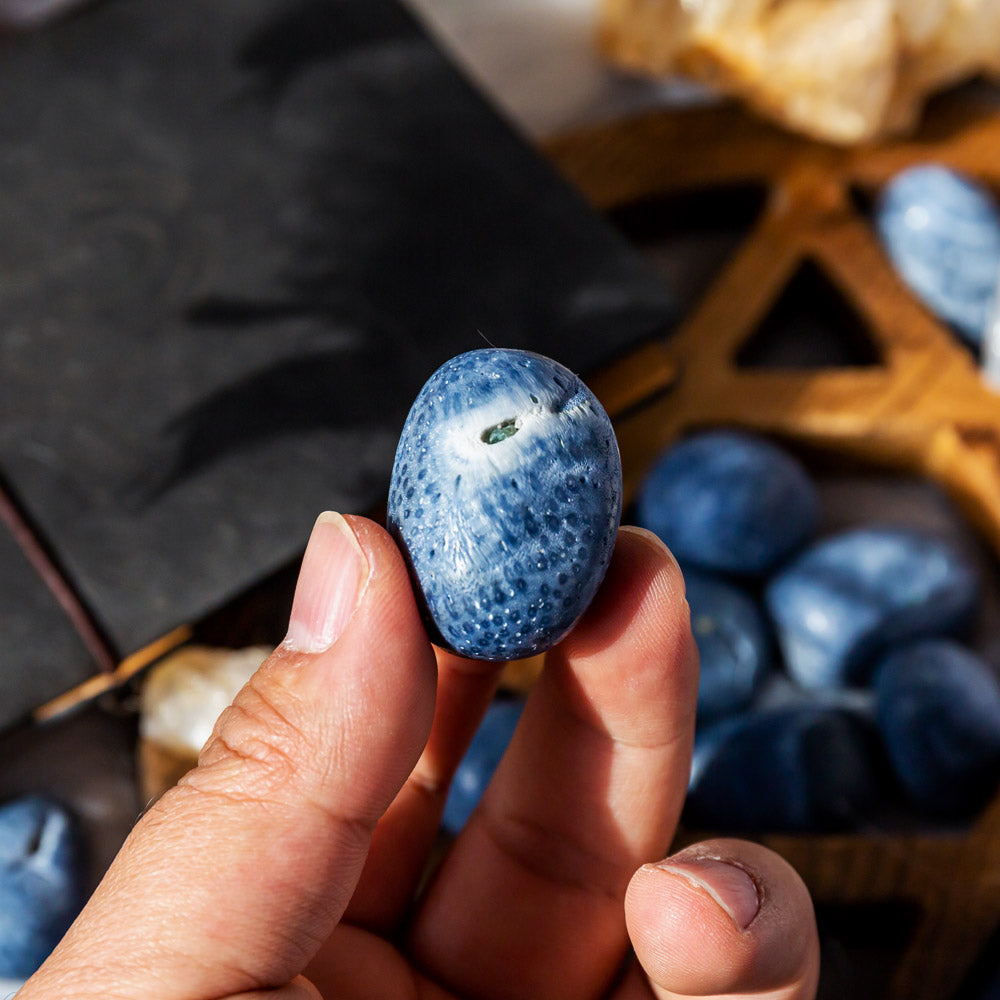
(845, 71)
(184, 695)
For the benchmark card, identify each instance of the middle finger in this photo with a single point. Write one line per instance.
(530, 900)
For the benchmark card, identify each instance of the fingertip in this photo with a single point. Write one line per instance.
(724, 917)
(655, 544)
(642, 593)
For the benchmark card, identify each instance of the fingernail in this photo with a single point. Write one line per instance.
(729, 885)
(332, 578)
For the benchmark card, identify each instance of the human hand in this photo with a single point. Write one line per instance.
(286, 865)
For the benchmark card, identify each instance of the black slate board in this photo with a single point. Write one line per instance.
(42, 655)
(238, 235)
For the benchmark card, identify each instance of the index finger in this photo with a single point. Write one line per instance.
(530, 902)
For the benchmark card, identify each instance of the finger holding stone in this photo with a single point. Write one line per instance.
(405, 835)
(590, 787)
(237, 875)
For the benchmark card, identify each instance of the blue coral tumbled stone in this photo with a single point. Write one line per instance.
(938, 709)
(505, 499)
(797, 769)
(40, 883)
(848, 597)
(942, 232)
(729, 502)
(734, 646)
(480, 762)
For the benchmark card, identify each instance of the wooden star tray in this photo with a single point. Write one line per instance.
(921, 408)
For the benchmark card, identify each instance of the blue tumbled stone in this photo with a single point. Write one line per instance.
(734, 646)
(729, 502)
(942, 232)
(480, 762)
(40, 882)
(798, 769)
(938, 709)
(505, 499)
(848, 597)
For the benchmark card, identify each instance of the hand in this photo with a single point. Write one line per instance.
(287, 863)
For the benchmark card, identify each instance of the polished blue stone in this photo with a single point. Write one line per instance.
(730, 502)
(798, 769)
(938, 709)
(734, 645)
(480, 762)
(848, 597)
(942, 232)
(40, 882)
(505, 499)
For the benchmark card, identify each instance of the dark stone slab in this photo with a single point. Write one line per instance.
(42, 654)
(238, 237)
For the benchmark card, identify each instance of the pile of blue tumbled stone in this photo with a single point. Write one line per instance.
(833, 678)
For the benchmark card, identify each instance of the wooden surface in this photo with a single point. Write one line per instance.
(922, 409)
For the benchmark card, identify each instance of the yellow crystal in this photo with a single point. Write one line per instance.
(846, 71)
(184, 695)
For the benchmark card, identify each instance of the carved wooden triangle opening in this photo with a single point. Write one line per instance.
(811, 326)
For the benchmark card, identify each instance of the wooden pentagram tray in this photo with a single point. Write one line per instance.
(922, 408)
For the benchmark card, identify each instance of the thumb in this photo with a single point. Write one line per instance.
(235, 877)
(723, 918)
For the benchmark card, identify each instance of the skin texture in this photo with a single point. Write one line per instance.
(286, 864)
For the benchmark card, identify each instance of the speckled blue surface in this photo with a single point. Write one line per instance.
(730, 502)
(848, 597)
(734, 645)
(938, 709)
(796, 769)
(942, 232)
(507, 541)
(40, 887)
(480, 762)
